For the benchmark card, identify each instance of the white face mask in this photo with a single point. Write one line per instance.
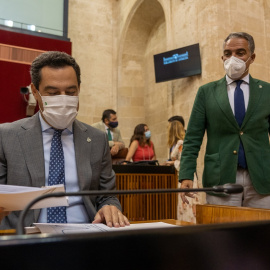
(235, 67)
(60, 111)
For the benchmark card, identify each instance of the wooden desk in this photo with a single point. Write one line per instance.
(211, 214)
(170, 221)
(147, 206)
(7, 232)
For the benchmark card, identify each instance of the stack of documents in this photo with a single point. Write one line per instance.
(56, 228)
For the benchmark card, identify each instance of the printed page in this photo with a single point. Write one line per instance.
(15, 198)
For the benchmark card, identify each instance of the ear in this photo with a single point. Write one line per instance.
(37, 96)
(34, 91)
(252, 57)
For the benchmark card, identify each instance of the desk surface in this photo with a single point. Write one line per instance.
(170, 221)
(238, 246)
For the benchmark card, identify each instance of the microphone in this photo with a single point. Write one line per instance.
(227, 189)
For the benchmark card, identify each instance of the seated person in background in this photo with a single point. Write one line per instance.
(141, 147)
(176, 134)
(109, 124)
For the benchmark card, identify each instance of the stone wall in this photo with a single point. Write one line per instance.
(90, 30)
(114, 42)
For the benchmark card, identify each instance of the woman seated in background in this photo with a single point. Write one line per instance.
(141, 147)
(176, 135)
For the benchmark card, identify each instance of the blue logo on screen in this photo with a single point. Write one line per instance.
(175, 58)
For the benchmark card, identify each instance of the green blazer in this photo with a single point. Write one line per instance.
(212, 113)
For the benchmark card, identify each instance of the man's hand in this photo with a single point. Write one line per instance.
(111, 216)
(186, 184)
(169, 163)
(115, 149)
(3, 213)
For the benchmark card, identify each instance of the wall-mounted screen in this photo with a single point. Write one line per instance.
(179, 63)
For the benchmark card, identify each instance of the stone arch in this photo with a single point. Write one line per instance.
(138, 97)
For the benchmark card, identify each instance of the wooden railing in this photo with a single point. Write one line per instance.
(17, 54)
(147, 206)
(212, 214)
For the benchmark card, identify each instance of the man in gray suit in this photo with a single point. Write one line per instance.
(109, 125)
(26, 154)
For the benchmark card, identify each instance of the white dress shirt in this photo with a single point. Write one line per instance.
(106, 128)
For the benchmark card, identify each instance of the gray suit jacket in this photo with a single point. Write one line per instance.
(22, 163)
(116, 133)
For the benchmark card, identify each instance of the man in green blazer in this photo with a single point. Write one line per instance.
(216, 110)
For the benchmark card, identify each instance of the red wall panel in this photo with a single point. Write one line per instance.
(34, 42)
(12, 104)
(13, 76)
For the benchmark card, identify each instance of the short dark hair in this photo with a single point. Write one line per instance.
(52, 59)
(246, 36)
(107, 113)
(177, 118)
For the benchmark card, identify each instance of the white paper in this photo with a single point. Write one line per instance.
(60, 228)
(14, 198)
(32, 230)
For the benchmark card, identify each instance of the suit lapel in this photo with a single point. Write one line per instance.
(82, 145)
(31, 143)
(221, 95)
(255, 92)
(102, 125)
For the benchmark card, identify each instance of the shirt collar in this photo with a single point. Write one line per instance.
(45, 126)
(106, 128)
(245, 79)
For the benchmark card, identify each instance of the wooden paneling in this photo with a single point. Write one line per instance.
(147, 206)
(18, 54)
(209, 214)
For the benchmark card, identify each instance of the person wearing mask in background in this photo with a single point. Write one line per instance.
(141, 147)
(235, 112)
(109, 125)
(52, 147)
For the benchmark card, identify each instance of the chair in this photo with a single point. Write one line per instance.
(121, 155)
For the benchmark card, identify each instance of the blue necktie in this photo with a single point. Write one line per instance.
(56, 176)
(240, 111)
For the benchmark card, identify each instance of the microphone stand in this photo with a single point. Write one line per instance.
(227, 189)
